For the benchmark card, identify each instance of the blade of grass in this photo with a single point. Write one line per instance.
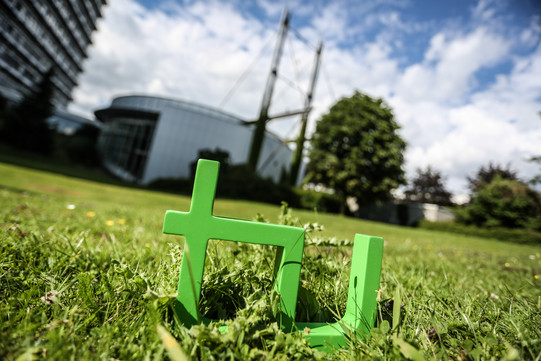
(173, 348)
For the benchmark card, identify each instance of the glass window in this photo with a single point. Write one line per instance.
(126, 144)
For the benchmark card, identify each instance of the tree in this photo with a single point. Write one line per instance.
(3, 110)
(537, 178)
(428, 187)
(25, 124)
(80, 147)
(485, 175)
(356, 150)
(217, 154)
(504, 203)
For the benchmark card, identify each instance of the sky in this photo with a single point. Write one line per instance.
(463, 77)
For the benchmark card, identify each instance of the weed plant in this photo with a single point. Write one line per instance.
(85, 273)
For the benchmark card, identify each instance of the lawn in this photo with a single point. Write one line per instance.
(86, 273)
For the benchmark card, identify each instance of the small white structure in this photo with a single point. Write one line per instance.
(144, 138)
(435, 213)
(406, 214)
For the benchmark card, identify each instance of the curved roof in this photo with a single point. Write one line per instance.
(106, 114)
(135, 105)
(176, 103)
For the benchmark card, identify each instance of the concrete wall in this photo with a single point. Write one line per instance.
(405, 213)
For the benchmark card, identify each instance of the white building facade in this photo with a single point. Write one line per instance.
(145, 138)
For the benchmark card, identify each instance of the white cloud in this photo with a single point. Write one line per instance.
(198, 51)
(195, 53)
(451, 61)
(272, 8)
(531, 35)
(484, 10)
(499, 124)
(333, 22)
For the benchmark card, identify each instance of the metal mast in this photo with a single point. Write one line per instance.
(297, 155)
(259, 132)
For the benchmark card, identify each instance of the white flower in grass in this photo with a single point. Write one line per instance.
(50, 297)
(70, 206)
(494, 296)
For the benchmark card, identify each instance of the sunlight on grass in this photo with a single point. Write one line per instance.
(86, 273)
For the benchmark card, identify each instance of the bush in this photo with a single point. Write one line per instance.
(503, 203)
(238, 182)
(79, 148)
(173, 185)
(322, 202)
(523, 236)
(241, 182)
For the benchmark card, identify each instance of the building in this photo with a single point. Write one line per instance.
(67, 123)
(405, 214)
(39, 35)
(144, 138)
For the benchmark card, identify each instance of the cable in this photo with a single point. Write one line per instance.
(291, 84)
(293, 60)
(329, 85)
(245, 73)
(302, 38)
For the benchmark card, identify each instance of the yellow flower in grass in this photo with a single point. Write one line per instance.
(535, 277)
(121, 221)
(90, 214)
(109, 223)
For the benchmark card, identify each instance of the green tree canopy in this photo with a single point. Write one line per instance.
(537, 178)
(504, 203)
(356, 150)
(486, 174)
(427, 187)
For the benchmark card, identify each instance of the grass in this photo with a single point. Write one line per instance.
(85, 273)
(57, 163)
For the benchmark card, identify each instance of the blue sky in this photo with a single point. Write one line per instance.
(463, 77)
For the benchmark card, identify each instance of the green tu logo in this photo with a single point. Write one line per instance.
(199, 225)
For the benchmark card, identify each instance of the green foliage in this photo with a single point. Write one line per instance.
(173, 185)
(73, 287)
(537, 178)
(503, 203)
(217, 154)
(485, 175)
(235, 181)
(241, 182)
(319, 201)
(356, 150)
(80, 148)
(427, 187)
(516, 235)
(24, 124)
(58, 288)
(56, 164)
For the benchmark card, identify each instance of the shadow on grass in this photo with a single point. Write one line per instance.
(53, 164)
